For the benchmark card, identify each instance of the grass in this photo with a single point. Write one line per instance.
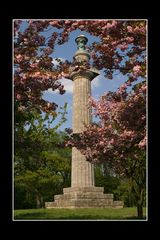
(75, 214)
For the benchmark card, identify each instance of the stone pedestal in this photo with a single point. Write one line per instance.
(83, 193)
(84, 197)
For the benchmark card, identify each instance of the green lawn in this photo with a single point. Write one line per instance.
(85, 213)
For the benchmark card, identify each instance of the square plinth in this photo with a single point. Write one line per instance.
(84, 197)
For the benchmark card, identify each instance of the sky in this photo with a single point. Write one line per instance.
(99, 85)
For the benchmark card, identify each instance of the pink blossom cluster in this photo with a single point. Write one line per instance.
(128, 134)
(143, 143)
(110, 25)
(122, 46)
(100, 108)
(129, 39)
(122, 88)
(136, 30)
(136, 71)
(34, 65)
(18, 58)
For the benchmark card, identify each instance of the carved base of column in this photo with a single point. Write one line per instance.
(84, 197)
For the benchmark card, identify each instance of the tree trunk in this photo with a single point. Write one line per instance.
(139, 195)
(140, 211)
(42, 202)
(38, 201)
(140, 203)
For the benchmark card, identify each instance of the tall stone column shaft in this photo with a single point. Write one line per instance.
(82, 171)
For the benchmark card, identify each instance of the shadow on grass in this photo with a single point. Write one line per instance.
(31, 216)
(40, 216)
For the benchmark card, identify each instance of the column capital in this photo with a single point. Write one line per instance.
(87, 73)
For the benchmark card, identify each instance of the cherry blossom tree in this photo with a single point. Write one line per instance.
(33, 68)
(119, 138)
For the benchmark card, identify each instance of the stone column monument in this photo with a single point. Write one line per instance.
(82, 193)
(82, 171)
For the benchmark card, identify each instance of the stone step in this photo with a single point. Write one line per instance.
(85, 203)
(83, 189)
(84, 195)
(118, 204)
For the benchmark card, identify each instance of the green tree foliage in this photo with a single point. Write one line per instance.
(105, 178)
(42, 164)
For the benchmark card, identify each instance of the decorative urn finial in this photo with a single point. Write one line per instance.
(82, 54)
(81, 42)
